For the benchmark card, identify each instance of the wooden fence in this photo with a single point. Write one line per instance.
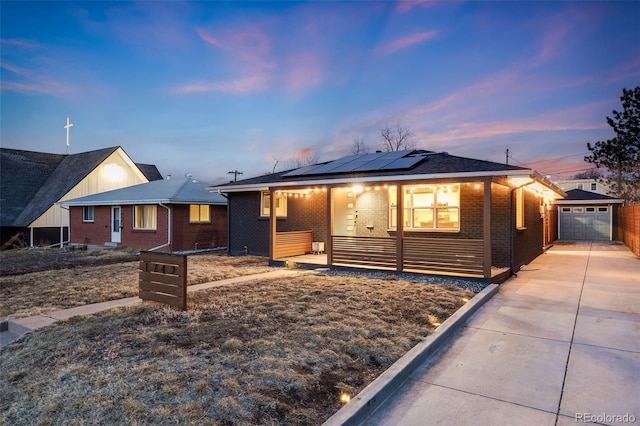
(379, 252)
(292, 243)
(629, 227)
(461, 256)
(163, 278)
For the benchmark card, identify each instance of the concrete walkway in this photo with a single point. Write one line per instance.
(20, 326)
(558, 345)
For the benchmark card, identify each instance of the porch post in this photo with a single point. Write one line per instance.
(399, 227)
(272, 223)
(329, 246)
(486, 233)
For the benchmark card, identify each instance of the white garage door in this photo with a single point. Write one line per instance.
(585, 223)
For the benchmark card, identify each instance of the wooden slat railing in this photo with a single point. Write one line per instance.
(379, 252)
(629, 227)
(292, 243)
(461, 256)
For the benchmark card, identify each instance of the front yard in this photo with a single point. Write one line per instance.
(264, 352)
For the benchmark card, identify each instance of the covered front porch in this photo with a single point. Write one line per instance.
(444, 227)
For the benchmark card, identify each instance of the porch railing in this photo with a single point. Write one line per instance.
(379, 252)
(462, 256)
(292, 243)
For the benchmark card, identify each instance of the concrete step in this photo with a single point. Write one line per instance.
(7, 337)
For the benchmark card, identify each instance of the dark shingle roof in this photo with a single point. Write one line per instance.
(434, 163)
(150, 171)
(22, 174)
(579, 194)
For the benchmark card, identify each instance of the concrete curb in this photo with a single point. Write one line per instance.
(377, 392)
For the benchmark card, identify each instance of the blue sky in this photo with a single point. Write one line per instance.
(209, 87)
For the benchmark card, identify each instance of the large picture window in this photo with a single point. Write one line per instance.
(144, 217)
(88, 214)
(520, 208)
(427, 207)
(281, 204)
(199, 213)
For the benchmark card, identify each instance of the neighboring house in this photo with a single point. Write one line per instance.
(586, 215)
(459, 216)
(172, 215)
(591, 185)
(32, 182)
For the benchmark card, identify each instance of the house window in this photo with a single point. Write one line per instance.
(144, 217)
(88, 214)
(427, 207)
(199, 213)
(281, 204)
(594, 186)
(520, 208)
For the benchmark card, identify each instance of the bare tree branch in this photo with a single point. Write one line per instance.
(397, 138)
(359, 147)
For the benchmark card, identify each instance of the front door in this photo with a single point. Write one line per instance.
(115, 224)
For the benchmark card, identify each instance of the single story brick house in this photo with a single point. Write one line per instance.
(457, 216)
(587, 215)
(168, 215)
(32, 183)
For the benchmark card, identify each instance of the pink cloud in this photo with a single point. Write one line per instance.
(27, 44)
(404, 6)
(404, 42)
(303, 71)
(252, 83)
(35, 82)
(249, 45)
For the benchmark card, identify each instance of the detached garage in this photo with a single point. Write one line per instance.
(584, 215)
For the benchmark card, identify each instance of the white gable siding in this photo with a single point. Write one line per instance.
(100, 179)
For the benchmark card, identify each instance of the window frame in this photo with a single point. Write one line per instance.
(433, 210)
(200, 213)
(265, 207)
(594, 186)
(145, 226)
(87, 209)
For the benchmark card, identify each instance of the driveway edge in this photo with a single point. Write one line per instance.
(377, 392)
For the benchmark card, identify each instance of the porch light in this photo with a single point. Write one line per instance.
(357, 189)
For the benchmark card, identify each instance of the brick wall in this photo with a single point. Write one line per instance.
(142, 238)
(246, 227)
(191, 236)
(501, 223)
(306, 213)
(528, 242)
(97, 232)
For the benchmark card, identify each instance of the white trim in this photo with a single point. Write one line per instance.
(377, 178)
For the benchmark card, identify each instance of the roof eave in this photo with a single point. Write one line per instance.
(364, 179)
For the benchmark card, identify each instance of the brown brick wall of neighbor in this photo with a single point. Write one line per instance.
(97, 232)
(528, 242)
(142, 238)
(192, 236)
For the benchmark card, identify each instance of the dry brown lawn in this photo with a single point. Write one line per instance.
(68, 279)
(265, 352)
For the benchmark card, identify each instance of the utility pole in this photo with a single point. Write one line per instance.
(507, 153)
(235, 174)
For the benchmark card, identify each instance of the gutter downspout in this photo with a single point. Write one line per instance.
(62, 229)
(168, 243)
(513, 225)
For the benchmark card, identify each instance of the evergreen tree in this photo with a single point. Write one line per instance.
(621, 154)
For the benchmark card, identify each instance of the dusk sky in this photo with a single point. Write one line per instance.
(209, 87)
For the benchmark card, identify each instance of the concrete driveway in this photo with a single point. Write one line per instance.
(558, 345)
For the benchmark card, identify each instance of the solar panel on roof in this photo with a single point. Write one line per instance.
(402, 163)
(392, 160)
